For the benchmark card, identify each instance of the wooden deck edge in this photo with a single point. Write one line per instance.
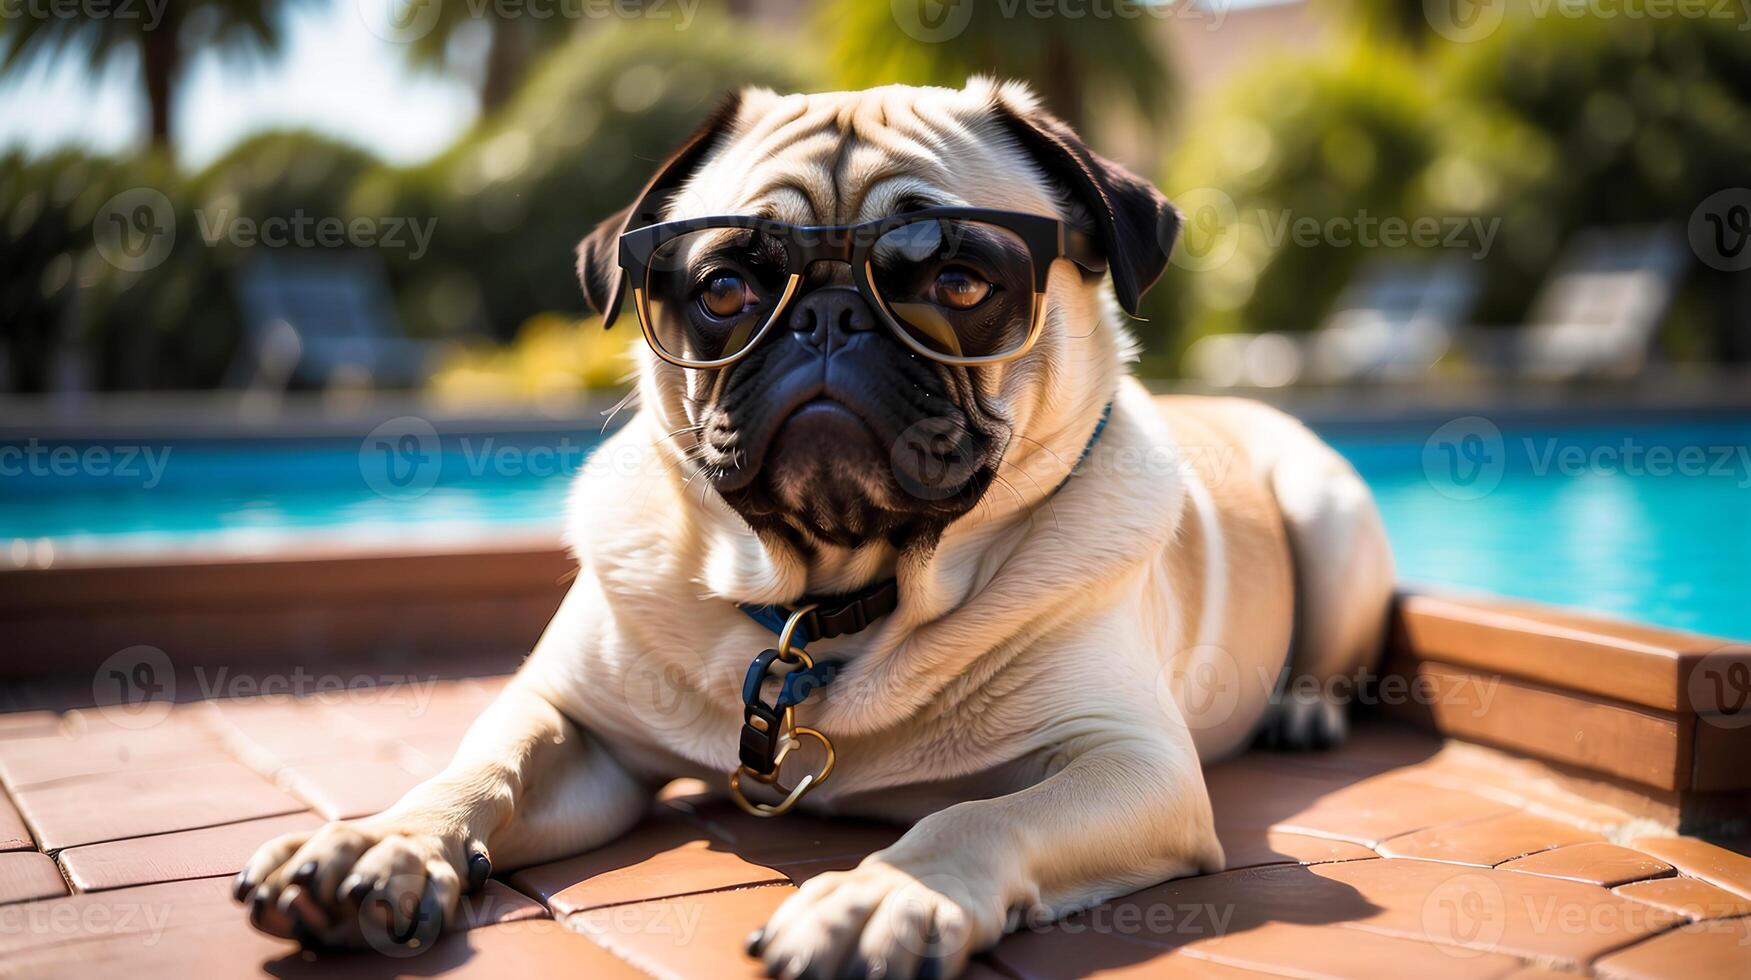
(1637, 706)
(323, 607)
(1654, 708)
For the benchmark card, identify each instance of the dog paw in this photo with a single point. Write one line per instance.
(357, 883)
(878, 921)
(1302, 723)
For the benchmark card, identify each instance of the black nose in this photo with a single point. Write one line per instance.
(825, 318)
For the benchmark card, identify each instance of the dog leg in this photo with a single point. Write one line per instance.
(527, 785)
(1127, 810)
(1343, 589)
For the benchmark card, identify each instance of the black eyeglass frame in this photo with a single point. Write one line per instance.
(1047, 239)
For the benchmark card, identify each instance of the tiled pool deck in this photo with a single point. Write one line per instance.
(1397, 855)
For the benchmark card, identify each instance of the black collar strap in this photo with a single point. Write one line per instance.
(832, 616)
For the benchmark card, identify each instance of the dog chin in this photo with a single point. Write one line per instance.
(829, 478)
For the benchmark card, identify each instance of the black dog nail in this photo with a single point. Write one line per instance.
(756, 939)
(240, 887)
(479, 870)
(356, 888)
(305, 872)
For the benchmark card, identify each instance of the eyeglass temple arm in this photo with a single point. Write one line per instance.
(1079, 248)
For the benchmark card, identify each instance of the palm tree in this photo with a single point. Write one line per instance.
(941, 42)
(513, 45)
(162, 35)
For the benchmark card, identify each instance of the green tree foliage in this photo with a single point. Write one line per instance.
(174, 324)
(1546, 126)
(513, 198)
(508, 205)
(512, 43)
(1295, 141)
(1115, 56)
(1622, 124)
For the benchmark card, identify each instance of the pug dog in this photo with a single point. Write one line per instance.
(885, 407)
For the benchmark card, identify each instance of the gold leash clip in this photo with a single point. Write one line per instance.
(790, 735)
(785, 636)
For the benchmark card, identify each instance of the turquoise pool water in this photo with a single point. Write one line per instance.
(1649, 520)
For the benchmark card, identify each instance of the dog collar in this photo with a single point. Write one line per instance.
(769, 731)
(1100, 427)
(828, 616)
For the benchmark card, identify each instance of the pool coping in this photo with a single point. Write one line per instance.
(1622, 710)
(1617, 710)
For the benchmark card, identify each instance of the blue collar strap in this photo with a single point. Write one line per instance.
(1106, 415)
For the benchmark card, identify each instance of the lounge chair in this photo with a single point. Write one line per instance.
(1393, 321)
(1601, 309)
(317, 321)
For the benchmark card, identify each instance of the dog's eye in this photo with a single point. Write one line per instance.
(726, 295)
(959, 289)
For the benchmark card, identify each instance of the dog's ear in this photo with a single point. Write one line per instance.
(1135, 224)
(599, 252)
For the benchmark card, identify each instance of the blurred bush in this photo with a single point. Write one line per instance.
(514, 196)
(1614, 123)
(552, 356)
(1547, 126)
(510, 201)
(1296, 140)
(75, 317)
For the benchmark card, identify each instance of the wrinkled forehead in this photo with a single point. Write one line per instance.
(846, 157)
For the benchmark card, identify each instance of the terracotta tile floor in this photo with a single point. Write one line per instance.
(1395, 855)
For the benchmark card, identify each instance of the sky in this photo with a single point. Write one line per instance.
(334, 76)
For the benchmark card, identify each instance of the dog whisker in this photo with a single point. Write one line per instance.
(625, 400)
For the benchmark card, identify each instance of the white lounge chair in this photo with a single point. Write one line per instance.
(1394, 321)
(1601, 309)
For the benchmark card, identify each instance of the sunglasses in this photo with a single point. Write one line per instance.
(963, 286)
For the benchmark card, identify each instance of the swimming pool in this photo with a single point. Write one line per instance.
(1646, 519)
